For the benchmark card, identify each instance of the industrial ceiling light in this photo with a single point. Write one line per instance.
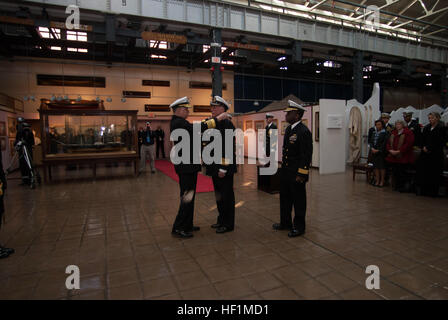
(123, 99)
(53, 97)
(59, 98)
(78, 99)
(109, 99)
(25, 98)
(98, 99)
(32, 98)
(66, 97)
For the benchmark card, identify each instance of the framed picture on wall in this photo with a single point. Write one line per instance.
(316, 127)
(3, 142)
(284, 126)
(248, 124)
(2, 128)
(12, 127)
(259, 124)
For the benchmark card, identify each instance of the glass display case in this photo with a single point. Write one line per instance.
(88, 135)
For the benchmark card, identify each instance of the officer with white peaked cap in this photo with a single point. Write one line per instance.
(187, 170)
(296, 160)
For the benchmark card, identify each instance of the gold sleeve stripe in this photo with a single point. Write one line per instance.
(211, 123)
(225, 161)
(303, 171)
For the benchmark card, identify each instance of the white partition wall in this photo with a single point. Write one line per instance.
(332, 123)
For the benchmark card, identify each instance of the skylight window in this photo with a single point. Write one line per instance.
(77, 36)
(45, 33)
(158, 44)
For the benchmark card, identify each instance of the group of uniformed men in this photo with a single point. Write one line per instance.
(297, 152)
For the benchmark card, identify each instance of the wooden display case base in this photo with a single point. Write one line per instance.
(268, 183)
(93, 160)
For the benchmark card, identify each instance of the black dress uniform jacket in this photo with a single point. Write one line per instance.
(226, 164)
(268, 137)
(297, 151)
(181, 123)
(417, 131)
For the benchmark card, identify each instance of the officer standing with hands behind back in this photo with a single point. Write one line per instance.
(297, 153)
(270, 126)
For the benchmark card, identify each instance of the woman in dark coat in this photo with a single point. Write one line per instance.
(4, 252)
(400, 149)
(377, 142)
(430, 163)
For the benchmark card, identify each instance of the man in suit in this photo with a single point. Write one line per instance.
(160, 142)
(297, 153)
(187, 170)
(222, 173)
(147, 138)
(270, 126)
(413, 125)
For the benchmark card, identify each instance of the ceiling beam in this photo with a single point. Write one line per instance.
(318, 4)
(402, 11)
(357, 8)
(389, 2)
(420, 18)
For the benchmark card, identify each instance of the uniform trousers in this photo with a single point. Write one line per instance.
(225, 200)
(292, 193)
(184, 218)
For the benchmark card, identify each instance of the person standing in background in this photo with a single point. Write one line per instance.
(270, 126)
(430, 163)
(378, 151)
(160, 142)
(148, 138)
(400, 154)
(140, 140)
(413, 125)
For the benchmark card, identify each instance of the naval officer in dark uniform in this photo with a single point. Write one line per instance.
(222, 173)
(297, 152)
(187, 172)
(270, 126)
(413, 125)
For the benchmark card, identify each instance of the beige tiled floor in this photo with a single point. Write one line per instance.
(117, 230)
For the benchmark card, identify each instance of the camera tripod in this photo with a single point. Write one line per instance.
(22, 151)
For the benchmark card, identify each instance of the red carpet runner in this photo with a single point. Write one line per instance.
(205, 183)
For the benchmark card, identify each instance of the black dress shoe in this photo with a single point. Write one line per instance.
(5, 252)
(295, 233)
(195, 228)
(8, 250)
(182, 234)
(215, 226)
(223, 230)
(278, 226)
